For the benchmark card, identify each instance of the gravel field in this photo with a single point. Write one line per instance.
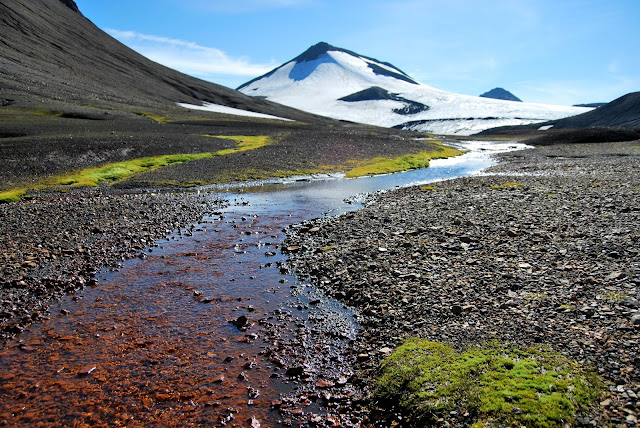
(543, 249)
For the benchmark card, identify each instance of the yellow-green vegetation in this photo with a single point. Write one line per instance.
(152, 116)
(245, 143)
(50, 113)
(613, 296)
(507, 186)
(383, 165)
(493, 384)
(118, 171)
(428, 188)
(13, 195)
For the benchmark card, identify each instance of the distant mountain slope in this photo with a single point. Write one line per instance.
(594, 105)
(50, 51)
(500, 94)
(342, 84)
(618, 120)
(622, 112)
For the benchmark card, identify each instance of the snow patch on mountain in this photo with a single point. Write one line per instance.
(343, 85)
(216, 108)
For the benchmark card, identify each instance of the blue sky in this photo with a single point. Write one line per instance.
(549, 51)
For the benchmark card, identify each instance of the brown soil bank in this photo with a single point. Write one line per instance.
(545, 249)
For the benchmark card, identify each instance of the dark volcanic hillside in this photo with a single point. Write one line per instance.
(623, 112)
(72, 97)
(618, 120)
(50, 51)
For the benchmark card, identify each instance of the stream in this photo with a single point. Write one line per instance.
(208, 327)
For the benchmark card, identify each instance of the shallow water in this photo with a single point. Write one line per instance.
(155, 342)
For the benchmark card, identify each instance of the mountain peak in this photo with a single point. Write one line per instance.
(71, 4)
(315, 51)
(500, 94)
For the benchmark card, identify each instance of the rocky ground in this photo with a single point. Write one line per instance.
(543, 250)
(53, 246)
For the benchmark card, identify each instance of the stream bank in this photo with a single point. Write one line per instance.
(542, 249)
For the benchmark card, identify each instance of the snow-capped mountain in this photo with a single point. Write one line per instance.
(342, 84)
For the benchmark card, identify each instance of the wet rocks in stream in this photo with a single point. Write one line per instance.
(52, 246)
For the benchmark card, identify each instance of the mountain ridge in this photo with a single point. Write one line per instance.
(345, 85)
(71, 4)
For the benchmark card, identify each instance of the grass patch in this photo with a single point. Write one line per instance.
(507, 186)
(245, 142)
(383, 165)
(118, 171)
(492, 385)
(615, 297)
(152, 116)
(12, 195)
(49, 113)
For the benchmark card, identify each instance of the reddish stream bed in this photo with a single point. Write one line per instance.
(205, 328)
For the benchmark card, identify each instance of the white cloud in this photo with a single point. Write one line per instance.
(191, 58)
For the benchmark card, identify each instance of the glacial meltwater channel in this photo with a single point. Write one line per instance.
(200, 330)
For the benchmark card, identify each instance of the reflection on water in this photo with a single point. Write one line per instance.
(192, 333)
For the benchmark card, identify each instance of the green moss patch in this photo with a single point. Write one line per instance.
(489, 385)
(12, 195)
(245, 143)
(152, 116)
(384, 165)
(507, 186)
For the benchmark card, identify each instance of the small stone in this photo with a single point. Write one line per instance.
(508, 304)
(242, 322)
(295, 371)
(635, 320)
(456, 309)
(86, 370)
(386, 350)
(342, 380)
(588, 311)
(218, 379)
(276, 404)
(253, 393)
(324, 384)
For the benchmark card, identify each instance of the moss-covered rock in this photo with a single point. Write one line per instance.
(427, 381)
